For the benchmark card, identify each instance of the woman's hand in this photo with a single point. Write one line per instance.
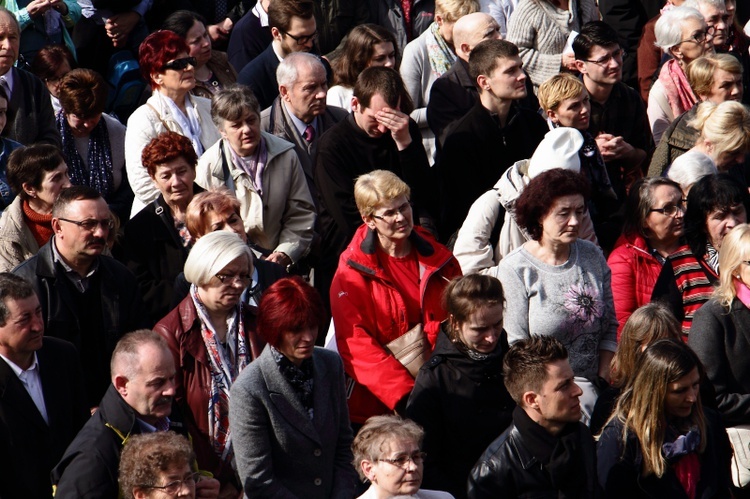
(280, 258)
(37, 7)
(119, 27)
(207, 488)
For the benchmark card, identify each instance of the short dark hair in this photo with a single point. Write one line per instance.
(525, 364)
(27, 165)
(483, 57)
(181, 21)
(384, 81)
(166, 147)
(594, 33)
(49, 59)
(280, 12)
(712, 192)
(83, 92)
(12, 287)
(289, 305)
(538, 197)
(73, 193)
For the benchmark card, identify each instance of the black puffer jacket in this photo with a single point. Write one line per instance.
(463, 406)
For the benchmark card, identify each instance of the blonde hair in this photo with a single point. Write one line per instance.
(725, 125)
(701, 71)
(375, 188)
(453, 10)
(558, 88)
(641, 407)
(734, 250)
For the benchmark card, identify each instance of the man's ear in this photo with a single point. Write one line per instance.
(121, 384)
(56, 227)
(482, 83)
(530, 399)
(355, 104)
(276, 33)
(581, 66)
(284, 92)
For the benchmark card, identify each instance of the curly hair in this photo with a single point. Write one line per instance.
(166, 147)
(146, 456)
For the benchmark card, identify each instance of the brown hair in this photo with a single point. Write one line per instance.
(27, 165)
(280, 12)
(219, 200)
(83, 92)
(386, 82)
(525, 364)
(357, 52)
(146, 456)
(166, 147)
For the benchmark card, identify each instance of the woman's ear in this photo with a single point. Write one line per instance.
(368, 469)
(369, 222)
(676, 52)
(29, 189)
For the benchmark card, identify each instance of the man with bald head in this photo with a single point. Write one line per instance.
(139, 400)
(454, 93)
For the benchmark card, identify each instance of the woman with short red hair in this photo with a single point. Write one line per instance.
(166, 65)
(290, 423)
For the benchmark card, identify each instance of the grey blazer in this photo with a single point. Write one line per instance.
(280, 452)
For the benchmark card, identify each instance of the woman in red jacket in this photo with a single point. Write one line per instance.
(651, 232)
(390, 279)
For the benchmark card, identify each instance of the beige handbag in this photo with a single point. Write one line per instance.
(411, 349)
(739, 437)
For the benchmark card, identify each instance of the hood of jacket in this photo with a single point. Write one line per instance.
(477, 370)
(512, 183)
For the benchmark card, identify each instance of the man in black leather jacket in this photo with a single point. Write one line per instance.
(546, 451)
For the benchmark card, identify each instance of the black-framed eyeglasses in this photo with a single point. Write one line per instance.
(403, 460)
(180, 64)
(301, 40)
(617, 55)
(232, 278)
(173, 488)
(700, 36)
(669, 210)
(390, 216)
(90, 225)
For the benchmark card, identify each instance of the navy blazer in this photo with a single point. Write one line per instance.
(280, 452)
(29, 447)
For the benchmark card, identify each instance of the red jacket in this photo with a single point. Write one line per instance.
(634, 273)
(369, 312)
(182, 330)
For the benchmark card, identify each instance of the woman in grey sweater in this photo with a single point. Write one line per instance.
(559, 285)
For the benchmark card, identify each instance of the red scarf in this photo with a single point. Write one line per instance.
(681, 97)
(688, 471)
(39, 225)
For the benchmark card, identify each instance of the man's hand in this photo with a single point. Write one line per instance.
(280, 258)
(119, 27)
(207, 488)
(220, 32)
(398, 123)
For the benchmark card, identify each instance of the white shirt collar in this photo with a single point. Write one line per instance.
(261, 14)
(16, 369)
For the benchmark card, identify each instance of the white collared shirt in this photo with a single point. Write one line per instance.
(9, 82)
(32, 381)
(261, 14)
(300, 125)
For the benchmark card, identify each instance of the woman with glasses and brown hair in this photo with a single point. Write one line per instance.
(212, 337)
(652, 231)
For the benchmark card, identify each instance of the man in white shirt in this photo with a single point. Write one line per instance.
(42, 401)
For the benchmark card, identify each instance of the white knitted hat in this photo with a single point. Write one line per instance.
(558, 149)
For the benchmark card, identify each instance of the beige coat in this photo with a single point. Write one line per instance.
(282, 219)
(17, 243)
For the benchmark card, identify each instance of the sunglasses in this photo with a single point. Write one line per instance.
(180, 64)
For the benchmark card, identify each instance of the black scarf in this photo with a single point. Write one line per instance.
(300, 378)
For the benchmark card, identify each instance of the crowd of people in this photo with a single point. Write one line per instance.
(374, 249)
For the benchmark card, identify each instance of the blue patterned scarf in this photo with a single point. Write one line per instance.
(99, 160)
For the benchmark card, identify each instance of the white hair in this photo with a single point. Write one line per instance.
(668, 29)
(287, 72)
(690, 168)
(695, 4)
(213, 252)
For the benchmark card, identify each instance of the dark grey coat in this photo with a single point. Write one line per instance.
(280, 452)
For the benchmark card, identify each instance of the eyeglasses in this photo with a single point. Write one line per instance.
(391, 215)
(700, 36)
(402, 461)
(301, 40)
(617, 55)
(670, 210)
(232, 278)
(180, 64)
(90, 225)
(173, 488)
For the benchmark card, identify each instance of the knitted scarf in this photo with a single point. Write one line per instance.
(39, 225)
(226, 363)
(440, 54)
(681, 97)
(99, 158)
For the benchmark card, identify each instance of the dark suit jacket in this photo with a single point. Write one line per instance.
(280, 452)
(276, 120)
(31, 118)
(247, 41)
(260, 75)
(29, 447)
(452, 96)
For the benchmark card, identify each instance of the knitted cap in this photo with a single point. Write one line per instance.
(558, 149)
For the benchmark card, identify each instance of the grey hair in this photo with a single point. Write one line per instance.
(233, 103)
(12, 16)
(287, 72)
(668, 29)
(695, 4)
(690, 168)
(211, 253)
(126, 357)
